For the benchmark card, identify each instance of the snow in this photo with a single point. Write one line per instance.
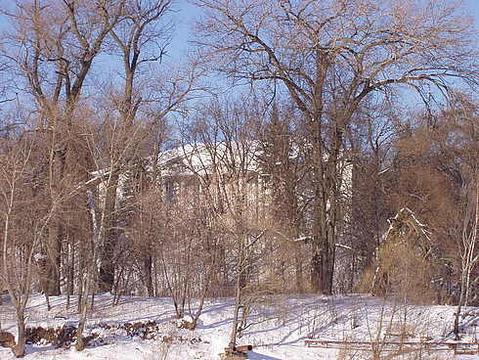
(279, 326)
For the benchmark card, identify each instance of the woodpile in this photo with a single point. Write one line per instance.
(6, 339)
(237, 353)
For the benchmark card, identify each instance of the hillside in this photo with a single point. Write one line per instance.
(278, 328)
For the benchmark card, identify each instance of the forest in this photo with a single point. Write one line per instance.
(286, 148)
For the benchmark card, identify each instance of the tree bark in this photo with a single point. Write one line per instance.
(148, 262)
(19, 349)
(54, 260)
(106, 278)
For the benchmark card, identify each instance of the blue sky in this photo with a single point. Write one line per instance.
(184, 18)
(474, 6)
(186, 14)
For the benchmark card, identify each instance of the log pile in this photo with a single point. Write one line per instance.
(6, 339)
(237, 353)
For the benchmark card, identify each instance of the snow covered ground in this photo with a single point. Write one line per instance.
(279, 328)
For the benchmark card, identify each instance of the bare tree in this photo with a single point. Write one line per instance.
(464, 124)
(329, 56)
(98, 196)
(469, 254)
(24, 226)
(224, 158)
(282, 161)
(371, 144)
(138, 38)
(54, 45)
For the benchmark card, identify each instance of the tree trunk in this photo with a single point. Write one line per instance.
(234, 326)
(459, 309)
(52, 280)
(83, 304)
(148, 262)
(327, 269)
(240, 283)
(107, 267)
(322, 264)
(298, 269)
(19, 349)
(56, 229)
